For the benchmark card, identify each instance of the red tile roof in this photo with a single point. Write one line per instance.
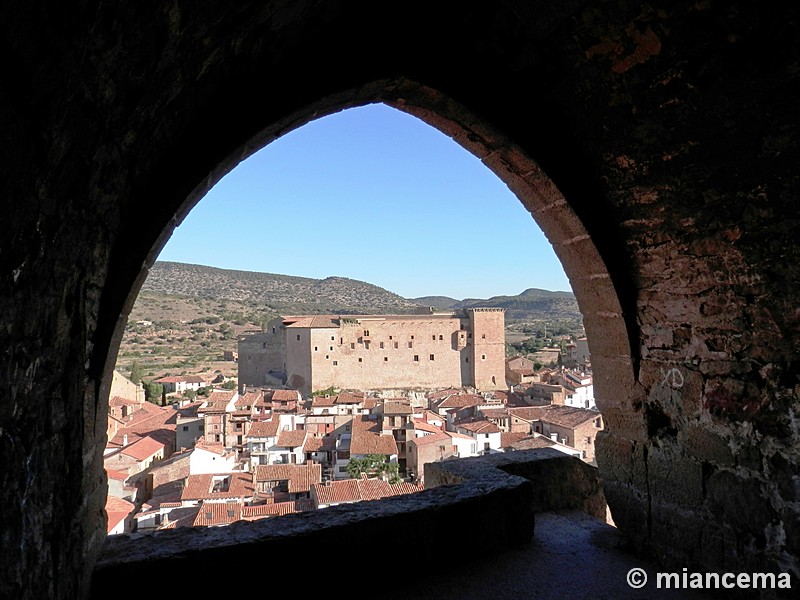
(143, 449)
(434, 438)
(462, 401)
(425, 426)
(300, 477)
(317, 444)
(117, 510)
(366, 438)
(218, 513)
(291, 439)
(275, 509)
(357, 490)
(563, 416)
(200, 487)
(285, 395)
(263, 429)
(480, 427)
(323, 401)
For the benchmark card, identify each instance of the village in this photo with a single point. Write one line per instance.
(279, 443)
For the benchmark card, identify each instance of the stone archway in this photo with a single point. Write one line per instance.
(671, 131)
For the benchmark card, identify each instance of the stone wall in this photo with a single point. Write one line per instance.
(655, 144)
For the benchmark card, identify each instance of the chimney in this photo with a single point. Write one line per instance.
(124, 440)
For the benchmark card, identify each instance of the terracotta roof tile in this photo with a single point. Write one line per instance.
(143, 449)
(300, 477)
(462, 401)
(275, 509)
(480, 426)
(218, 513)
(366, 438)
(317, 444)
(291, 439)
(285, 395)
(200, 487)
(259, 429)
(117, 510)
(357, 490)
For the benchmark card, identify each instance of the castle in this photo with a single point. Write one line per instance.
(423, 351)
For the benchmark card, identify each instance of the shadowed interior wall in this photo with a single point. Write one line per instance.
(657, 146)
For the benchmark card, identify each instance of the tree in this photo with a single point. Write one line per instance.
(374, 466)
(153, 392)
(229, 385)
(136, 372)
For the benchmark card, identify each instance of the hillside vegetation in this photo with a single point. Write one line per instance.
(187, 316)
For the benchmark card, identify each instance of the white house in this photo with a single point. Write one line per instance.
(485, 434)
(206, 459)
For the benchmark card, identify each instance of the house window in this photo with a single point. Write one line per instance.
(469, 336)
(186, 428)
(416, 358)
(466, 359)
(431, 356)
(366, 345)
(298, 337)
(589, 441)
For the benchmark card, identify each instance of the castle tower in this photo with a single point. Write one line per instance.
(488, 348)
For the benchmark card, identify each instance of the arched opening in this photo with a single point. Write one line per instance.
(547, 206)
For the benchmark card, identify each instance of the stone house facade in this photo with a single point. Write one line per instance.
(464, 348)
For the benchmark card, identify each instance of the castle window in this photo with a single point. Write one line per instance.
(434, 338)
(335, 363)
(483, 357)
(416, 358)
(412, 337)
(360, 359)
(332, 338)
(381, 345)
(396, 345)
(466, 359)
(431, 356)
(298, 337)
(352, 346)
(331, 348)
(327, 357)
(469, 335)
(366, 333)
(385, 359)
(315, 348)
(441, 337)
(483, 336)
(411, 344)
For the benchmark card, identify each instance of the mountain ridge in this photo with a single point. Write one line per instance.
(336, 294)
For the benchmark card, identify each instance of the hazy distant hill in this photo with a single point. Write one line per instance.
(283, 293)
(532, 304)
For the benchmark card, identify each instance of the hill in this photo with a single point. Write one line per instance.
(272, 292)
(187, 317)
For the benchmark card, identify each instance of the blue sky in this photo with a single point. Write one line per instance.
(371, 193)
